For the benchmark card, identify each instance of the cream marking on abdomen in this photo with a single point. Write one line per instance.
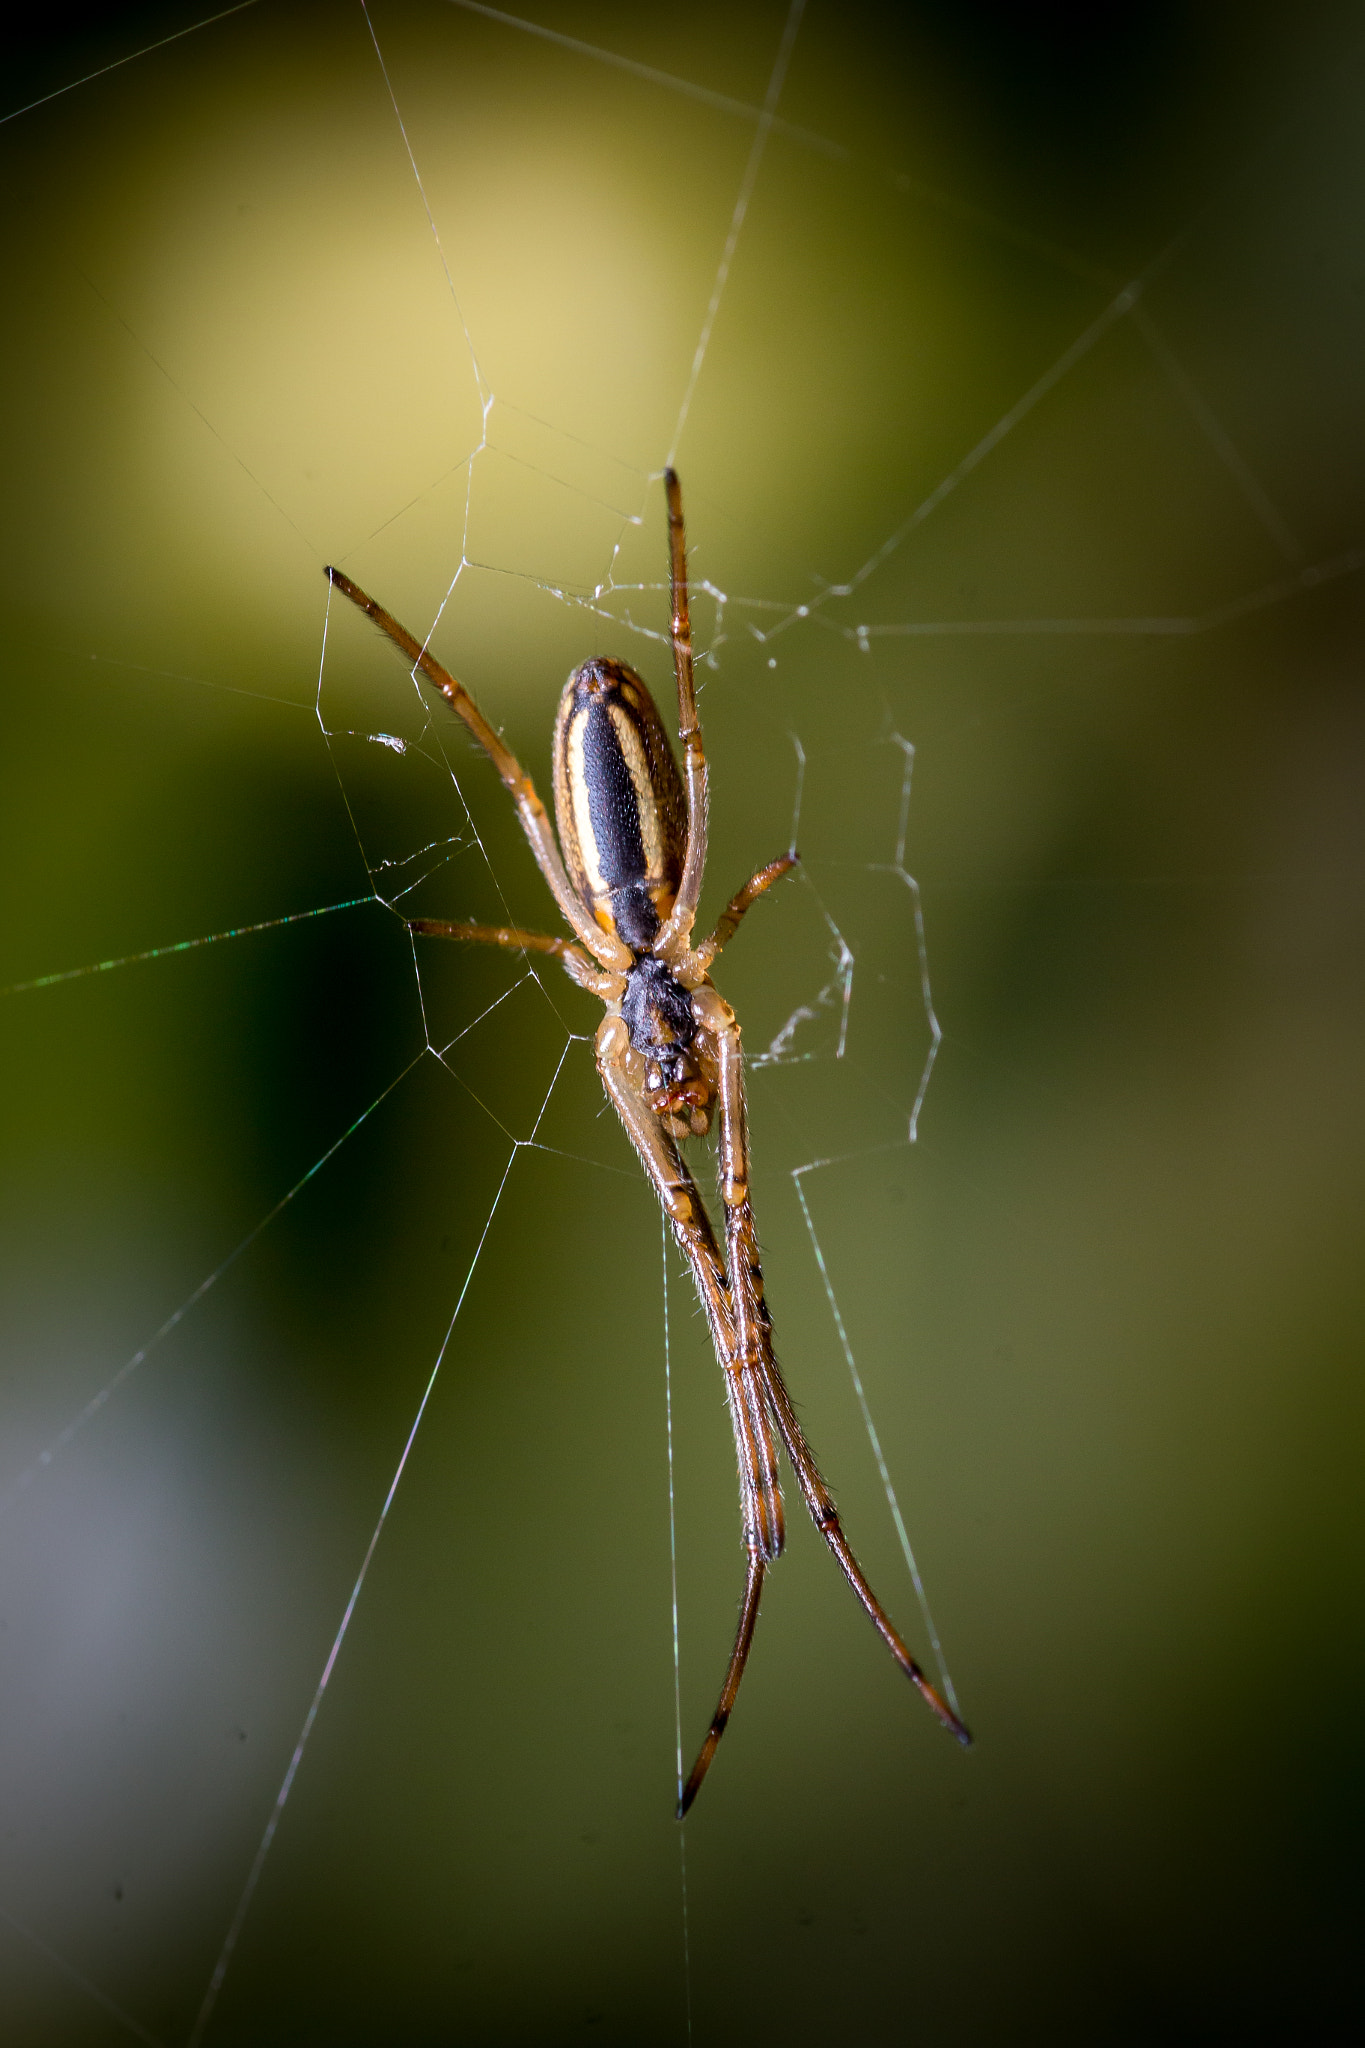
(578, 796)
(646, 807)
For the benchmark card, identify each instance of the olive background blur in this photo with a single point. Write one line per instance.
(1107, 1309)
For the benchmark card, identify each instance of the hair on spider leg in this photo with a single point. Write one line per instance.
(626, 874)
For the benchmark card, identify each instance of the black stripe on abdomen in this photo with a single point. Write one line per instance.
(613, 800)
(614, 808)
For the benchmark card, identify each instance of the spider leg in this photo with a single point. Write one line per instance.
(674, 935)
(760, 1494)
(746, 1391)
(820, 1502)
(727, 924)
(610, 951)
(576, 964)
(753, 1330)
(739, 1657)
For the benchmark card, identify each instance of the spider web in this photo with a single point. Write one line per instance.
(431, 293)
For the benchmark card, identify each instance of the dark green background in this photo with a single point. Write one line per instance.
(1107, 1309)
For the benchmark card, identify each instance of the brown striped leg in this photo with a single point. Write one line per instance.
(823, 1513)
(575, 963)
(753, 1327)
(739, 1657)
(531, 811)
(677, 929)
(760, 1493)
(746, 1393)
(727, 924)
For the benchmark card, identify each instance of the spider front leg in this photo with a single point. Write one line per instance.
(760, 1496)
(746, 1393)
(753, 1335)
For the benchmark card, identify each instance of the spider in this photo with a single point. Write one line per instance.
(627, 883)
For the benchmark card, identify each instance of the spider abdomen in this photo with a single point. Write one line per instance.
(619, 801)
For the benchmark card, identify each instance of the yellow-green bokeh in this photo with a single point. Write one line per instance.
(1107, 1308)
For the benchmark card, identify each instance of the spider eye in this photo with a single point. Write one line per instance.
(619, 801)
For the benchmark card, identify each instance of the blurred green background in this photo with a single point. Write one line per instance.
(1106, 1308)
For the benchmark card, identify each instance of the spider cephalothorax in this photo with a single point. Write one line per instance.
(658, 1014)
(627, 883)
